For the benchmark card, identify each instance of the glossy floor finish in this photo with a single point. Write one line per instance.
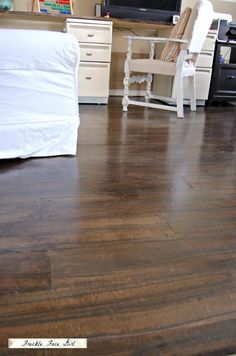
(131, 244)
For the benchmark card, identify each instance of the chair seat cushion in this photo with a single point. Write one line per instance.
(157, 66)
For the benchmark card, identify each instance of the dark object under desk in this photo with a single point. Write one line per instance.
(223, 82)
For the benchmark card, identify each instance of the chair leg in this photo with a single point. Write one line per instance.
(125, 100)
(192, 92)
(179, 99)
(148, 88)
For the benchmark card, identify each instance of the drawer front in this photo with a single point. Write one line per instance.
(205, 59)
(203, 79)
(209, 43)
(94, 79)
(90, 33)
(95, 52)
(227, 79)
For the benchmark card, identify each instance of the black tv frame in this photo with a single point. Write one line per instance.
(137, 13)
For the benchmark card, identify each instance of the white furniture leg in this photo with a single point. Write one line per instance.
(125, 100)
(192, 92)
(150, 76)
(179, 99)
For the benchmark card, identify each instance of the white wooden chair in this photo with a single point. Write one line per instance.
(190, 46)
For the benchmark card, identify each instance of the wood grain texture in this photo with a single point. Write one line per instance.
(132, 243)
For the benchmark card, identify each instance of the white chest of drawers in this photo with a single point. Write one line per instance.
(203, 70)
(166, 86)
(95, 38)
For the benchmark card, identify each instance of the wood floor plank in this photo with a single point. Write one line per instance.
(20, 272)
(132, 243)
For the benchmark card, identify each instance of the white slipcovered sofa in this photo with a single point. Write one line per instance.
(38, 93)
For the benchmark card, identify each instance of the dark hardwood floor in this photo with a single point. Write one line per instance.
(132, 243)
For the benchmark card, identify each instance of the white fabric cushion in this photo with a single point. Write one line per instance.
(156, 66)
(45, 50)
(38, 102)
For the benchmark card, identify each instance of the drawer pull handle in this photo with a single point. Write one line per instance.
(90, 34)
(88, 78)
(88, 54)
(230, 77)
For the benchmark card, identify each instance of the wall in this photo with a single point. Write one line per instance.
(86, 7)
(23, 5)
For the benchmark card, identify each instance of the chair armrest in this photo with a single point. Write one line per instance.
(155, 39)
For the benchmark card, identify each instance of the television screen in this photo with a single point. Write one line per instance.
(167, 5)
(151, 10)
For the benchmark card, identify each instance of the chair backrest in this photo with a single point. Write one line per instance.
(198, 25)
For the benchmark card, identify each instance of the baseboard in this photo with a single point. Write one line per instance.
(92, 100)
